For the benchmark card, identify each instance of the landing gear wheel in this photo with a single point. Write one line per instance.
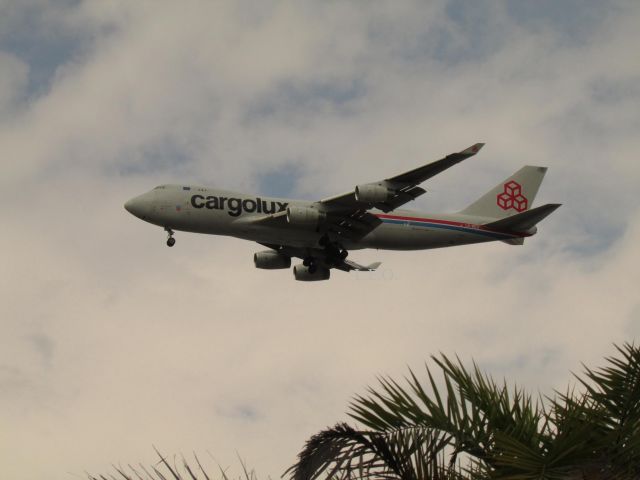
(170, 241)
(307, 261)
(343, 254)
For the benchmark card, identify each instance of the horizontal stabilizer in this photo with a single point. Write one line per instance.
(521, 222)
(360, 268)
(514, 241)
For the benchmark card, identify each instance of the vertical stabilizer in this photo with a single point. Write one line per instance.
(514, 195)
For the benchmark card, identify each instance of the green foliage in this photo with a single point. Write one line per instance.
(469, 426)
(178, 469)
(342, 452)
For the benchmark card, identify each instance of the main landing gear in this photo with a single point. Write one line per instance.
(170, 240)
(335, 253)
(311, 264)
(334, 250)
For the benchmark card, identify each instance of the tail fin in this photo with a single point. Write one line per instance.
(514, 195)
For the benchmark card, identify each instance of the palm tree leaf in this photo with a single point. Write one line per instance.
(338, 452)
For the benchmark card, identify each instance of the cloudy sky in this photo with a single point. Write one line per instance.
(110, 342)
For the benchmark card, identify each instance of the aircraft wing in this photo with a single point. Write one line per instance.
(348, 215)
(353, 224)
(404, 186)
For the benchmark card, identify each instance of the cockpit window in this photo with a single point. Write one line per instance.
(160, 187)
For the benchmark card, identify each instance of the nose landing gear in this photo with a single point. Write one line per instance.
(170, 240)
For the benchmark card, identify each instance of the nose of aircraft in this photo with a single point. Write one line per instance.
(137, 206)
(129, 205)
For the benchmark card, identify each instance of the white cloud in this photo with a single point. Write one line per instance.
(13, 76)
(111, 342)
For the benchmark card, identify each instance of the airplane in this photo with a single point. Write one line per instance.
(321, 233)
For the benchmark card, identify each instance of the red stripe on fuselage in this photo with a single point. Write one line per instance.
(471, 226)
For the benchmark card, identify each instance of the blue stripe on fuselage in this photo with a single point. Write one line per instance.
(441, 226)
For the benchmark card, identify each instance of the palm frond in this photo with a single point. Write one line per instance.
(607, 415)
(471, 408)
(179, 469)
(341, 452)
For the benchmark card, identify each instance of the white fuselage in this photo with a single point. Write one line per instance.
(219, 212)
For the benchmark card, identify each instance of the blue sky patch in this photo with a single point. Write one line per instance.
(280, 182)
(44, 45)
(574, 20)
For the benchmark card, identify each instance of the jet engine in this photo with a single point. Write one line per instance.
(373, 193)
(301, 273)
(305, 216)
(271, 260)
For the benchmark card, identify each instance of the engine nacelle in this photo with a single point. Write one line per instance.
(270, 260)
(301, 273)
(305, 216)
(373, 193)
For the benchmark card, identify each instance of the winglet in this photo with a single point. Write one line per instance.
(473, 149)
(373, 266)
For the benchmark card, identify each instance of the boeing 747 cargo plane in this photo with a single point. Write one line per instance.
(321, 233)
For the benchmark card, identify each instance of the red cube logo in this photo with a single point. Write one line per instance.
(512, 197)
(505, 201)
(513, 189)
(520, 203)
